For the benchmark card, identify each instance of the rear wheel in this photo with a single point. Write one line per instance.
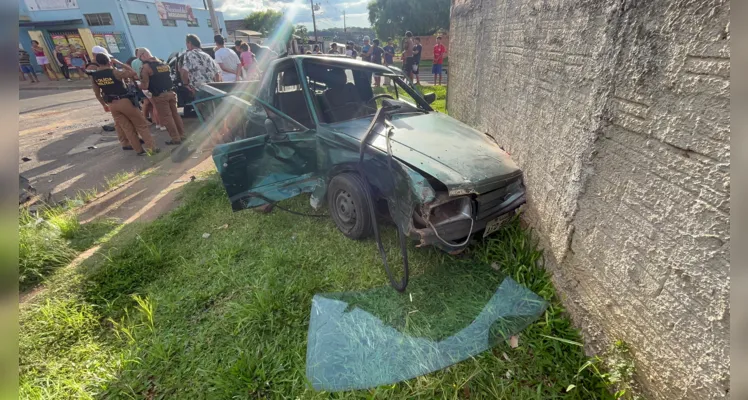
(349, 205)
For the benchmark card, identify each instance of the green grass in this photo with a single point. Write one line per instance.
(50, 239)
(118, 179)
(161, 312)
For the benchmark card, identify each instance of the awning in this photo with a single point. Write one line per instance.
(246, 32)
(51, 23)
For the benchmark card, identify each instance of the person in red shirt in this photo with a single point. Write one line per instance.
(439, 51)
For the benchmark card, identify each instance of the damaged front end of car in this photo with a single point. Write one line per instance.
(449, 222)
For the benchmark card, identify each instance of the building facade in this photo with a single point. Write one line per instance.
(119, 25)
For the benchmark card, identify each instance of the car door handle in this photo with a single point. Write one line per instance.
(236, 158)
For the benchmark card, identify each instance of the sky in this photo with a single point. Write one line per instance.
(330, 14)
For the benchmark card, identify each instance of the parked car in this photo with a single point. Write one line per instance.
(308, 127)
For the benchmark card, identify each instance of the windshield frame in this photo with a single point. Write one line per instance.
(410, 90)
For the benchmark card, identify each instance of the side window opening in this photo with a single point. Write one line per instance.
(340, 94)
(288, 96)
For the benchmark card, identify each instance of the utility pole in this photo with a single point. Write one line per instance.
(344, 30)
(213, 18)
(314, 21)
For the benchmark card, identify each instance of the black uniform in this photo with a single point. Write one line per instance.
(111, 87)
(160, 80)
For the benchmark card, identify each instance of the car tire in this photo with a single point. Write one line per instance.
(349, 206)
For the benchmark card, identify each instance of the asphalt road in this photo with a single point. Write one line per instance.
(60, 133)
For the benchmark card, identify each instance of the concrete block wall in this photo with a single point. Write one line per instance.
(618, 113)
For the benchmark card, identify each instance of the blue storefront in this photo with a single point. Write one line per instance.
(119, 25)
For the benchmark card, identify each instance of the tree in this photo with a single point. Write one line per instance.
(263, 21)
(391, 18)
(302, 32)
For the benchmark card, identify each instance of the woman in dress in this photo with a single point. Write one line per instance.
(42, 60)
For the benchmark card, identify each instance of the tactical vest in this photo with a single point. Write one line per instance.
(110, 86)
(160, 81)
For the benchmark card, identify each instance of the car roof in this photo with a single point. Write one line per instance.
(338, 61)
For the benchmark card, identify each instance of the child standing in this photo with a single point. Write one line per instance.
(24, 60)
(249, 67)
(439, 51)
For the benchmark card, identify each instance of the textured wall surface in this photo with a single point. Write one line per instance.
(618, 113)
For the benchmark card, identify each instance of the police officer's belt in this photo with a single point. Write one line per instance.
(110, 97)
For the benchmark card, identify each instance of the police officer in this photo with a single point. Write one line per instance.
(113, 94)
(155, 76)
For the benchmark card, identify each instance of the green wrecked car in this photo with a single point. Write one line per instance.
(314, 124)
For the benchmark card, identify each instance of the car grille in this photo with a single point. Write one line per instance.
(491, 202)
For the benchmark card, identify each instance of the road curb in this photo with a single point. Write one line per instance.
(60, 88)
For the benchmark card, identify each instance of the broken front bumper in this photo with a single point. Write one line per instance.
(449, 232)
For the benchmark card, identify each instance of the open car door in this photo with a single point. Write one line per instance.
(261, 154)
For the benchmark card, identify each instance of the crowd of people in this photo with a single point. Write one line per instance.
(73, 62)
(411, 47)
(140, 92)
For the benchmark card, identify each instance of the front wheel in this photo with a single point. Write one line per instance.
(349, 205)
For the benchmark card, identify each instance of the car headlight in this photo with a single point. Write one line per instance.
(450, 211)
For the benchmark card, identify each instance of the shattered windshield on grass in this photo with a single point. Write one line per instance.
(359, 340)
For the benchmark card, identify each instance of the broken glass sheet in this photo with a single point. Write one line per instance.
(359, 340)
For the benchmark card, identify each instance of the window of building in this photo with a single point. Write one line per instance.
(137, 19)
(210, 23)
(99, 19)
(192, 23)
(169, 22)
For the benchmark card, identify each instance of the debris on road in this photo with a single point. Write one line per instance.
(92, 147)
(25, 159)
(206, 235)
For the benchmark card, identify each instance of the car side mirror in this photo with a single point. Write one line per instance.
(429, 97)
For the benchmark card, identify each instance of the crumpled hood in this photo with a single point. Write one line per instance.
(464, 159)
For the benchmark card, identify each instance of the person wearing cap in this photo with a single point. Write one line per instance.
(155, 76)
(365, 49)
(113, 94)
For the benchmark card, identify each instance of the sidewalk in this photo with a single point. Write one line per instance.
(46, 84)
